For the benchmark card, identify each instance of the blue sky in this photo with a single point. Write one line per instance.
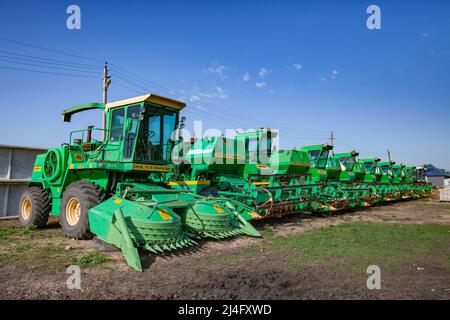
(305, 67)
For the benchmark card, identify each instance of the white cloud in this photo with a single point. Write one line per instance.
(217, 93)
(334, 73)
(246, 77)
(220, 93)
(205, 95)
(263, 73)
(217, 69)
(194, 98)
(260, 85)
(297, 66)
(424, 34)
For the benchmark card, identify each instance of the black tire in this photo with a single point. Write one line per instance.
(38, 199)
(88, 195)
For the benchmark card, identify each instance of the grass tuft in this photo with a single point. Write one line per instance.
(90, 259)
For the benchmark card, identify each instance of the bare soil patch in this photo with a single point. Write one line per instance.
(32, 264)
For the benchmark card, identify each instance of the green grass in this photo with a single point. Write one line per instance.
(7, 232)
(41, 250)
(49, 258)
(90, 259)
(362, 244)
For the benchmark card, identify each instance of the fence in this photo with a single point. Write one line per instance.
(16, 165)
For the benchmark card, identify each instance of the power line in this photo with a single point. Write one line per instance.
(50, 50)
(48, 72)
(48, 67)
(31, 57)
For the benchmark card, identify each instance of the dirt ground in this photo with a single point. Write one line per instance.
(288, 263)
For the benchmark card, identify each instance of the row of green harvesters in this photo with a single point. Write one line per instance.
(127, 191)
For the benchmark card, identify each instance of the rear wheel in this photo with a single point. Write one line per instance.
(34, 207)
(76, 202)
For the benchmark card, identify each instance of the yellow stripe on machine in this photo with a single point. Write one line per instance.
(150, 167)
(261, 183)
(188, 182)
(302, 164)
(225, 155)
(37, 168)
(262, 166)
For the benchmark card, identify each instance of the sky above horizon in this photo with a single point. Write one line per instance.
(303, 67)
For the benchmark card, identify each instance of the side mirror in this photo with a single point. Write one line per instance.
(183, 119)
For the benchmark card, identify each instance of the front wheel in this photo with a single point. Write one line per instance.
(34, 207)
(76, 202)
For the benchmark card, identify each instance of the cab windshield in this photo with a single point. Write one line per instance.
(348, 162)
(154, 138)
(385, 169)
(369, 167)
(318, 158)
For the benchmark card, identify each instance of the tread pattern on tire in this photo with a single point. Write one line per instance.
(41, 207)
(92, 195)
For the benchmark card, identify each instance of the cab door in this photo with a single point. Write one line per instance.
(115, 136)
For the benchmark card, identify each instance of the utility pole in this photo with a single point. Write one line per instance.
(106, 83)
(331, 139)
(331, 142)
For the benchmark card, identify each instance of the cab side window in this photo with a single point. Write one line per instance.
(117, 123)
(130, 136)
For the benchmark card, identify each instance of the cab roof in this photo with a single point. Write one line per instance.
(317, 147)
(151, 97)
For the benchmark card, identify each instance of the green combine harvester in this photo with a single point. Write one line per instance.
(351, 179)
(115, 188)
(327, 170)
(421, 186)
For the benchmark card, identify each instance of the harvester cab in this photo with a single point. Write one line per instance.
(408, 174)
(373, 172)
(397, 173)
(386, 170)
(115, 188)
(318, 160)
(352, 179)
(351, 164)
(420, 173)
(350, 169)
(327, 170)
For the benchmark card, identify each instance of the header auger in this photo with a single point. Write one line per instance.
(126, 189)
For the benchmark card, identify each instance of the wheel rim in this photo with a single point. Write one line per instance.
(73, 211)
(26, 209)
